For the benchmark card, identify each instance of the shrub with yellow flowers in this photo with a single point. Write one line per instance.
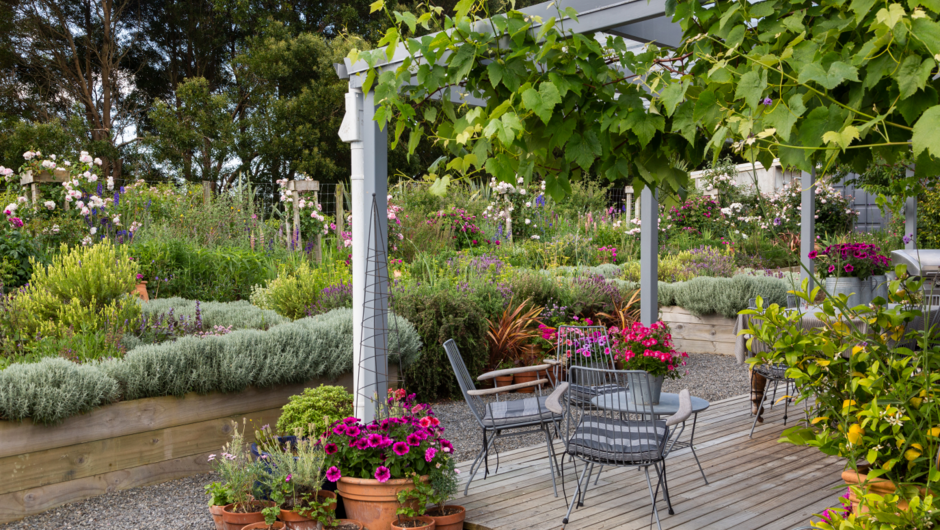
(869, 381)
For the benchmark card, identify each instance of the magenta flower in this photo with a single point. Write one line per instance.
(362, 444)
(375, 440)
(339, 429)
(429, 454)
(413, 440)
(400, 448)
(333, 474)
(288, 478)
(352, 430)
(848, 267)
(382, 474)
(812, 255)
(351, 421)
(425, 422)
(446, 446)
(331, 448)
(832, 268)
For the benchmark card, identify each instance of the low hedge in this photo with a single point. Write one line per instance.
(722, 296)
(239, 315)
(316, 347)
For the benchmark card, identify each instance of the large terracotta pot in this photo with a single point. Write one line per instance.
(264, 526)
(340, 522)
(216, 512)
(295, 521)
(429, 526)
(453, 521)
(503, 380)
(238, 521)
(372, 502)
(526, 377)
(875, 485)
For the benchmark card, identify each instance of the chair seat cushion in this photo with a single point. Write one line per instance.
(618, 441)
(503, 413)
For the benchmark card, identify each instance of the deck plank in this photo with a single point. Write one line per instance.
(753, 483)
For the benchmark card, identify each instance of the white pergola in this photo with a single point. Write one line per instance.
(641, 21)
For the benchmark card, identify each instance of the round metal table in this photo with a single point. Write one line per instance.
(667, 406)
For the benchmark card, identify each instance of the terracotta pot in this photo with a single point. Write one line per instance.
(503, 380)
(427, 519)
(373, 502)
(141, 291)
(238, 521)
(449, 522)
(339, 522)
(216, 512)
(295, 521)
(526, 377)
(264, 526)
(875, 485)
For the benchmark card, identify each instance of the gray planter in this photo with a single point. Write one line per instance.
(656, 389)
(865, 291)
(879, 286)
(850, 287)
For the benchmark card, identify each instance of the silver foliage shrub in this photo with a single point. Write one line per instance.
(293, 352)
(240, 315)
(53, 389)
(726, 296)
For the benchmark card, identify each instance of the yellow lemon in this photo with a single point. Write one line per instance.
(913, 452)
(855, 433)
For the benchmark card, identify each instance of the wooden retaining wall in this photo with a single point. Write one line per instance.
(125, 445)
(708, 334)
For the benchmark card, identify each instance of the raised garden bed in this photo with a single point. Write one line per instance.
(126, 445)
(705, 334)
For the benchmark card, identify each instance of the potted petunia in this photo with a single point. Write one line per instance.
(649, 349)
(371, 462)
(848, 268)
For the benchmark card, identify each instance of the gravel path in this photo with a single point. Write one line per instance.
(181, 504)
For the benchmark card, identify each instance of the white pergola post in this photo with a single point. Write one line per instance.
(910, 219)
(649, 257)
(369, 178)
(807, 225)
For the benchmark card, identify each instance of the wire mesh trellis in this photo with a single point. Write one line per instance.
(376, 342)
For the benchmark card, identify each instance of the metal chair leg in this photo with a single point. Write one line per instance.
(552, 463)
(478, 462)
(586, 484)
(666, 490)
(757, 416)
(786, 406)
(574, 498)
(649, 485)
(598, 477)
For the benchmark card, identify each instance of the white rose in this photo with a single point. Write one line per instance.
(10, 207)
(528, 204)
(92, 178)
(97, 161)
(52, 157)
(50, 205)
(21, 200)
(67, 163)
(522, 191)
(94, 230)
(527, 221)
(28, 155)
(85, 211)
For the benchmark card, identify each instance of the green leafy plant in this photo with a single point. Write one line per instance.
(414, 501)
(870, 390)
(316, 409)
(237, 470)
(219, 494)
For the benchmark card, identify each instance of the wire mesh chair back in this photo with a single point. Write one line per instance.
(586, 346)
(620, 428)
(477, 406)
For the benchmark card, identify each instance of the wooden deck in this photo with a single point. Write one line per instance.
(754, 483)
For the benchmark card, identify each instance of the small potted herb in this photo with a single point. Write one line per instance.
(444, 486)
(270, 520)
(219, 496)
(413, 503)
(239, 474)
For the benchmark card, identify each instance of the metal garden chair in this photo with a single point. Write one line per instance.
(586, 346)
(773, 373)
(495, 418)
(619, 429)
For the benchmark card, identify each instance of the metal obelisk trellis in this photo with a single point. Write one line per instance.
(372, 381)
